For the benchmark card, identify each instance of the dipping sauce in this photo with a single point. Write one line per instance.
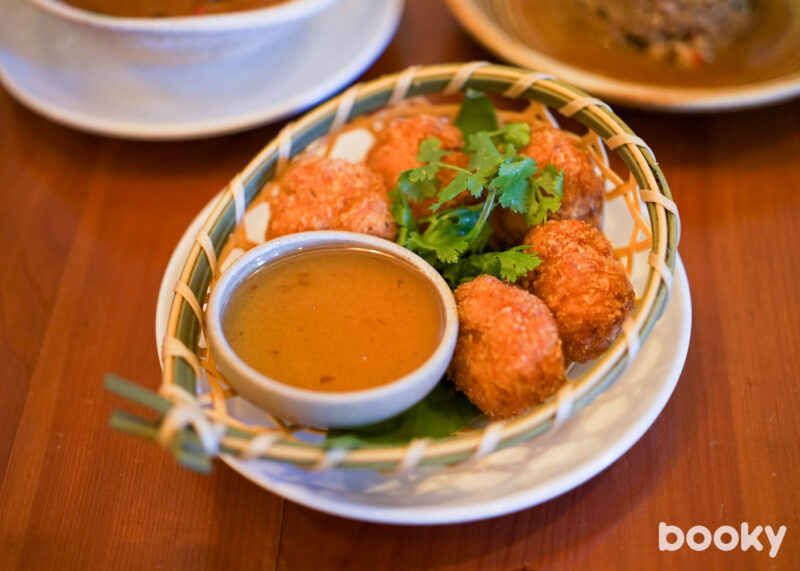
(334, 319)
(168, 8)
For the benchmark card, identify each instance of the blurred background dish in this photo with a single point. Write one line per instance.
(169, 32)
(687, 56)
(75, 79)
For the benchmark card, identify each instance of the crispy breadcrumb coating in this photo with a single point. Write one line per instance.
(554, 238)
(330, 194)
(586, 289)
(508, 354)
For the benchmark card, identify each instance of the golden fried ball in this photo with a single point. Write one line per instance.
(583, 187)
(508, 354)
(330, 194)
(398, 145)
(555, 237)
(581, 283)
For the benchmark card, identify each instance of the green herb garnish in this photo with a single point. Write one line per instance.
(547, 192)
(508, 265)
(438, 415)
(453, 240)
(476, 114)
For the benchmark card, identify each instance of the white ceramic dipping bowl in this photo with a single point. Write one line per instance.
(190, 39)
(318, 408)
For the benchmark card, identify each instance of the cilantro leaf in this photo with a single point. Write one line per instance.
(514, 183)
(517, 134)
(447, 248)
(483, 154)
(447, 235)
(401, 212)
(476, 183)
(438, 415)
(416, 190)
(547, 192)
(430, 152)
(509, 265)
(477, 114)
(430, 156)
(456, 187)
(484, 159)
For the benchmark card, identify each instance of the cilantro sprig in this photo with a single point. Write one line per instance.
(496, 175)
(508, 265)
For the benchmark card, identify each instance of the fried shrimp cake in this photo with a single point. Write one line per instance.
(554, 238)
(586, 289)
(330, 194)
(508, 354)
(583, 187)
(398, 145)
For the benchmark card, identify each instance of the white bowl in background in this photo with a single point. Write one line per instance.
(189, 39)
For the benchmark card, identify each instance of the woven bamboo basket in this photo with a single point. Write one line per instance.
(194, 419)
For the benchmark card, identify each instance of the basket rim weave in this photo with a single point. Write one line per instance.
(183, 328)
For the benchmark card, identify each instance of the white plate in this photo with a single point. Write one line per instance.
(506, 481)
(493, 36)
(75, 80)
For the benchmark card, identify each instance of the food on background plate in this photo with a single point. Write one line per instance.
(440, 183)
(686, 32)
(334, 319)
(587, 290)
(171, 8)
(737, 45)
(508, 355)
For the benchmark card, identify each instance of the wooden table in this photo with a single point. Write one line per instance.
(87, 225)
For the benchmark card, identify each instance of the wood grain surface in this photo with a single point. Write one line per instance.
(88, 223)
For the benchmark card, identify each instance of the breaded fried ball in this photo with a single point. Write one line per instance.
(508, 354)
(330, 194)
(398, 145)
(554, 238)
(581, 283)
(583, 187)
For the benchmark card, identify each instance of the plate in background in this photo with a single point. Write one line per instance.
(515, 34)
(76, 80)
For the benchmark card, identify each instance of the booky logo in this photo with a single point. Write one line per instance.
(724, 538)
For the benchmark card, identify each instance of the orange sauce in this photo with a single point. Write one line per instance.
(334, 319)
